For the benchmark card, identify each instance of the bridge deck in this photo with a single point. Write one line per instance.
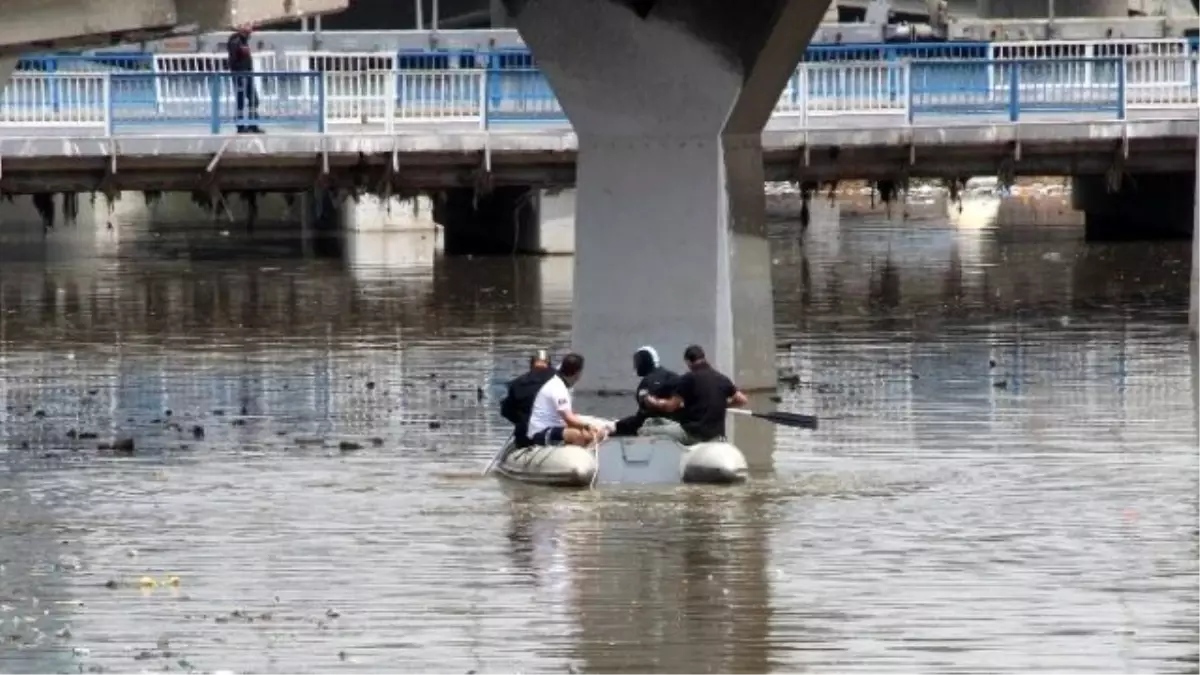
(545, 156)
(387, 128)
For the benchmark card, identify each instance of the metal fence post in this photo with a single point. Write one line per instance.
(390, 92)
(214, 93)
(485, 82)
(106, 100)
(1122, 88)
(908, 89)
(1014, 98)
(803, 95)
(322, 102)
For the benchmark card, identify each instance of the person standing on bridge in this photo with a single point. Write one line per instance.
(241, 64)
(700, 398)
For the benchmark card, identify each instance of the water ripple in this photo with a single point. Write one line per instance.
(1005, 478)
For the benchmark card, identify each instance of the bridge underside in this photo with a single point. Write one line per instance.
(292, 163)
(39, 25)
(458, 14)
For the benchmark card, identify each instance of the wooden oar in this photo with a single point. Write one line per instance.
(787, 419)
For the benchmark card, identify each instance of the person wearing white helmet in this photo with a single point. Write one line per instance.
(656, 381)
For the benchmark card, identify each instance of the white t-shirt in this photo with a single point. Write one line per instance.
(551, 401)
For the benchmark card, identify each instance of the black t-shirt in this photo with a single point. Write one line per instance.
(705, 393)
(239, 59)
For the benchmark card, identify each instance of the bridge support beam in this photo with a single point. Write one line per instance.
(668, 99)
(1148, 206)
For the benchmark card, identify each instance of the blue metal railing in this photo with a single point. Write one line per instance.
(107, 62)
(284, 101)
(821, 93)
(1013, 87)
(520, 58)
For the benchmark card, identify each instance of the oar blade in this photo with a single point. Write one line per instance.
(789, 419)
(499, 455)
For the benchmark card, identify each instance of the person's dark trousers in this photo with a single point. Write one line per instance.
(628, 426)
(247, 98)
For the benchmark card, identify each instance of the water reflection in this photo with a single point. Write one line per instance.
(666, 581)
(1005, 476)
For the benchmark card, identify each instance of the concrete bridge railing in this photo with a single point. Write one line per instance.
(380, 98)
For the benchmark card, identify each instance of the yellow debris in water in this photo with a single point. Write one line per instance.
(147, 582)
(173, 580)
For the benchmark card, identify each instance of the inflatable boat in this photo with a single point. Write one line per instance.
(658, 442)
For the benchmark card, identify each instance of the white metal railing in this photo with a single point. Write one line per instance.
(71, 100)
(444, 96)
(1168, 49)
(390, 97)
(177, 90)
(342, 63)
(1155, 82)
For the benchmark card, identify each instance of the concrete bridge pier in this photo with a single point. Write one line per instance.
(668, 99)
(1147, 206)
(1194, 309)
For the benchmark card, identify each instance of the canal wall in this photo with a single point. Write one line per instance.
(545, 218)
(367, 213)
(548, 214)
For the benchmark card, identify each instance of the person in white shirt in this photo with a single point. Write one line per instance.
(552, 421)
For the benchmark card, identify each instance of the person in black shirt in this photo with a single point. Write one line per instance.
(656, 380)
(241, 63)
(518, 403)
(700, 399)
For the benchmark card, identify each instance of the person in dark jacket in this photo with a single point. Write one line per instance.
(522, 390)
(656, 381)
(241, 64)
(700, 398)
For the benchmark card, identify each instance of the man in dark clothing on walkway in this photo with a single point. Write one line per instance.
(522, 390)
(241, 64)
(656, 380)
(700, 399)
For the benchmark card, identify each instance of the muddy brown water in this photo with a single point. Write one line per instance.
(1005, 479)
